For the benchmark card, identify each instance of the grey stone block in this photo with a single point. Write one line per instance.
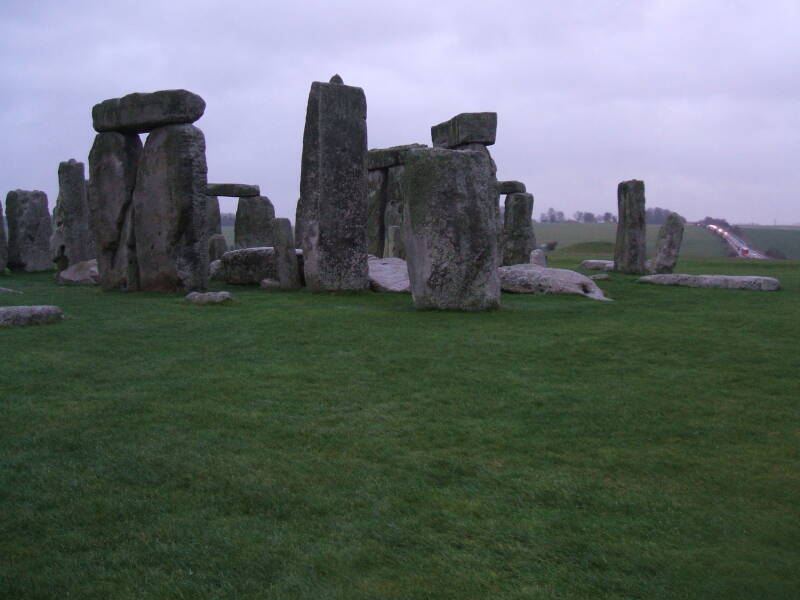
(139, 113)
(466, 128)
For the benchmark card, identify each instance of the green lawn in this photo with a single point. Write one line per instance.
(785, 239)
(697, 241)
(300, 446)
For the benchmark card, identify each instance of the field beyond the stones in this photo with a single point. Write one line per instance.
(315, 446)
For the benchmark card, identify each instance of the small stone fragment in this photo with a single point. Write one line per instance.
(337, 79)
(233, 190)
(15, 316)
(139, 113)
(466, 128)
(731, 282)
(209, 297)
(82, 273)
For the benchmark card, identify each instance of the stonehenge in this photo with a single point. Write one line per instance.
(72, 241)
(253, 226)
(518, 237)
(332, 211)
(142, 113)
(533, 279)
(630, 248)
(730, 282)
(668, 244)
(233, 190)
(29, 231)
(17, 316)
(286, 264)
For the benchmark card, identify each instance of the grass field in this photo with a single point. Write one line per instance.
(300, 446)
(785, 239)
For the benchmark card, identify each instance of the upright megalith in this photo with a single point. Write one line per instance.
(3, 242)
(171, 212)
(630, 249)
(376, 206)
(394, 242)
(668, 244)
(333, 188)
(72, 241)
(139, 113)
(29, 231)
(286, 265)
(518, 238)
(113, 163)
(450, 229)
(253, 226)
(217, 245)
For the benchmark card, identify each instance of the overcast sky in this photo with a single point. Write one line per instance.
(700, 99)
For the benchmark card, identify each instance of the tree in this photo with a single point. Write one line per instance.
(588, 217)
(578, 216)
(609, 218)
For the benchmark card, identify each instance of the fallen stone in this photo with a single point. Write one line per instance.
(599, 276)
(731, 282)
(253, 225)
(29, 231)
(383, 158)
(82, 273)
(510, 187)
(8, 291)
(668, 244)
(532, 279)
(388, 275)
(15, 316)
(209, 297)
(332, 211)
(450, 229)
(518, 238)
(466, 128)
(217, 246)
(139, 113)
(538, 258)
(286, 264)
(248, 266)
(270, 284)
(72, 241)
(630, 249)
(113, 164)
(597, 265)
(233, 190)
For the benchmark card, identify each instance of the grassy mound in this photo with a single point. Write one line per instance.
(294, 445)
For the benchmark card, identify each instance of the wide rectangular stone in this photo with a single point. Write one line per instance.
(383, 158)
(139, 113)
(29, 231)
(466, 128)
(510, 187)
(233, 190)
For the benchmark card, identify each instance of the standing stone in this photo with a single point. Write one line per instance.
(214, 217)
(29, 231)
(630, 249)
(450, 230)
(518, 237)
(668, 244)
(253, 226)
(3, 242)
(72, 241)
(394, 242)
(170, 211)
(139, 113)
(538, 258)
(286, 266)
(376, 206)
(393, 216)
(113, 163)
(217, 246)
(333, 188)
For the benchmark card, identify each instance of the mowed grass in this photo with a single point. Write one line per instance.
(785, 239)
(295, 445)
(697, 241)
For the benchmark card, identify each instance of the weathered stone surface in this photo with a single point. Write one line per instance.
(253, 226)
(383, 158)
(286, 265)
(138, 113)
(393, 213)
(731, 282)
(113, 164)
(15, 316)
(466, 128)
(209, 297)
(333, 188)
(376, 207)
(215, 269)
(214, 219)
(450, 229)
(217, 246)
(8, 291)
(72, 241)
(248, 266)
(597, 265)
(82, 273)
(233, 190)
(3, 242)
(532, 279)
(388, 275)
(29, 231)
(518, 238)
(630, 250)
(668, 244)
(510, 187)
(270, 284)
(538, 257)
(171, 211)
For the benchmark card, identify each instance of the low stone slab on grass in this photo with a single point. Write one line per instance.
(82, 273)
(532, 279)
(388, 275)
(597, 265)
(247, 266)
(209, 297)
(729, 282)
(16, 316)
(9, 291)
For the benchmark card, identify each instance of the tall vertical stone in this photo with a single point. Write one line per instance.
(113, 163)
(286, 265)
(217, 245)
(29, 231)
(214, 217)
(518, 237)
(3, 242)
(72, 240)
(630, 249)
(450, 229)
(333, 188)
(171, 211)
(393, 216)
(394, 242)
(668, 244)
(376, 205)
(253, 226)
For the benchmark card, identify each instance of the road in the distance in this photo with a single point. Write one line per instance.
(736, 243)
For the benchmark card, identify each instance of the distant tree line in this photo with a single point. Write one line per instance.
(653, 216)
